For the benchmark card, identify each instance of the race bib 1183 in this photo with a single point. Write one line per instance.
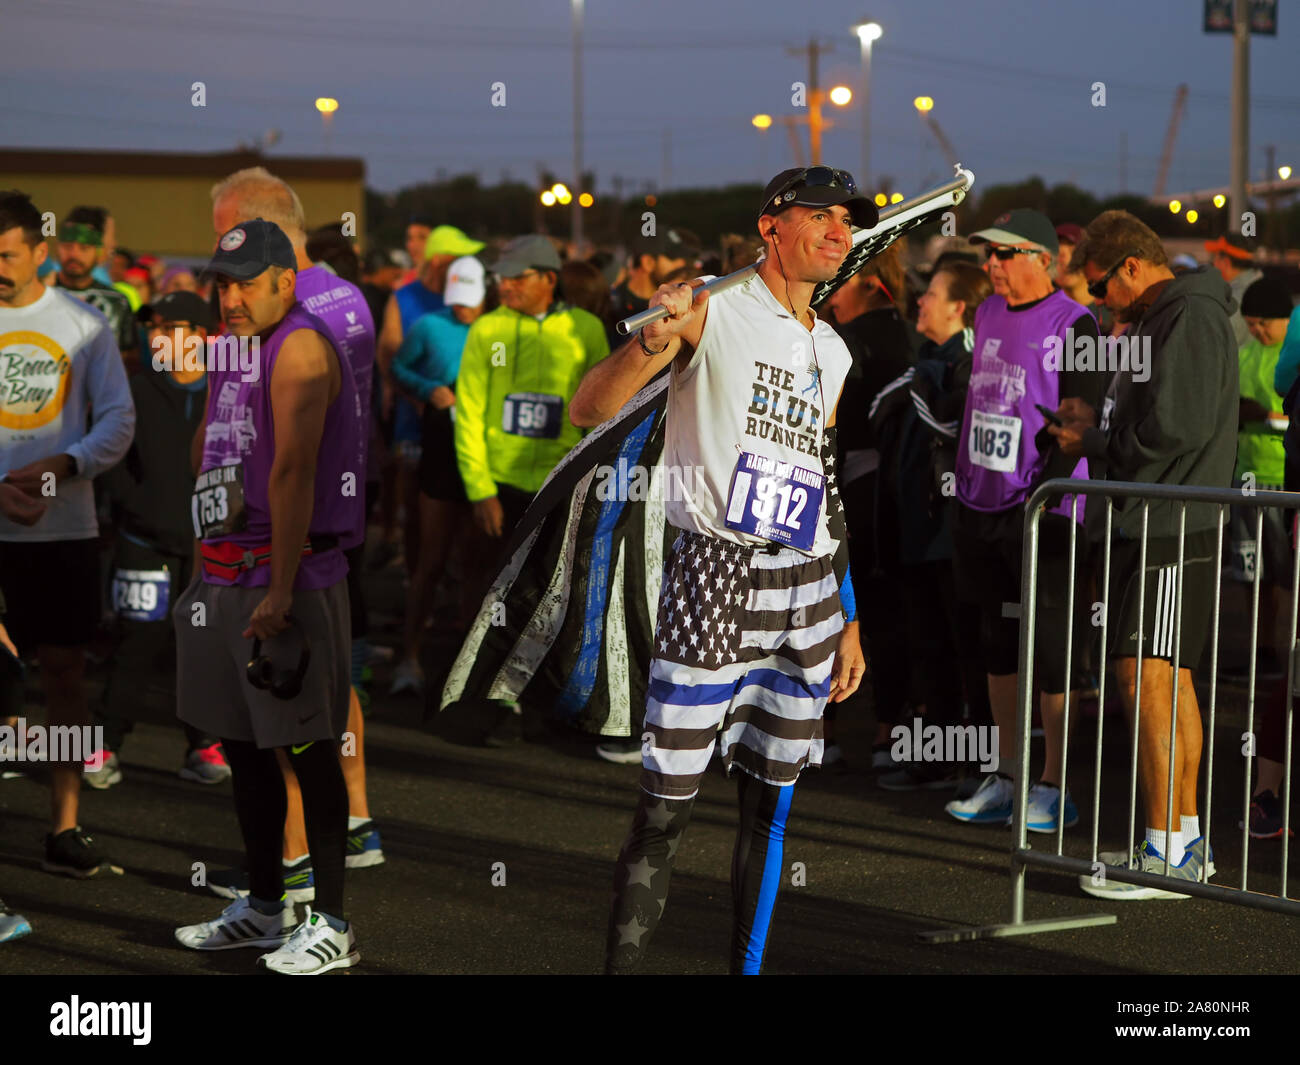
(994, 441)
(777, 501)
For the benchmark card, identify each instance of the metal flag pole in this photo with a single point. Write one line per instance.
(867, 244)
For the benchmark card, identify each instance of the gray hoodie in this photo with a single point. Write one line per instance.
(1179, 424)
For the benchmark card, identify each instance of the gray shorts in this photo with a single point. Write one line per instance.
(212, 689)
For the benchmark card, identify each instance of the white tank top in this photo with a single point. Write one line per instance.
(746, 418)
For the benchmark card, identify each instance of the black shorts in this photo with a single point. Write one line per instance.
(439, 471)
(1160, 609)
(52, 591)
(987, 557)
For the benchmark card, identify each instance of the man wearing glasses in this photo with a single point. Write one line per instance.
(756, 626)
(1173, 422)
(1003, 455)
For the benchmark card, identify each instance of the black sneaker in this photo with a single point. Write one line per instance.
(1266, 816)
(73, 853)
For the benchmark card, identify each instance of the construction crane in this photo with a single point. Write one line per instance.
(1171, 135)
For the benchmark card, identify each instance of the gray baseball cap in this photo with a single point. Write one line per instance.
(527, 253)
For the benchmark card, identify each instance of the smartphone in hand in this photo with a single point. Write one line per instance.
(1047, 412)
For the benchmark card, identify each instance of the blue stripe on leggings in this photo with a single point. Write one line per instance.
(772, 872)
(600, 567)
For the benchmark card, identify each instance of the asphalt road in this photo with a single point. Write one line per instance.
(879, 867)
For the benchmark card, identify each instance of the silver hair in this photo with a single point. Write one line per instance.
(261, 194)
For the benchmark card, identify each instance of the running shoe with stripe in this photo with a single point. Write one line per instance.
(206, 765)
(1197, 849)
(102, 770)
(238, 926)
(364, 848)
(1146, 859)
(1045, 809)
(12, 925)
(314, 948)
(990, 805)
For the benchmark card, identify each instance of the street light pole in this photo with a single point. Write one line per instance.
(867, 32)
(576, 231)
(1240, 113)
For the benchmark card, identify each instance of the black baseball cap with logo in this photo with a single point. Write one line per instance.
(819, 186)
(178, 307)
(1021, 226)
(249, 248)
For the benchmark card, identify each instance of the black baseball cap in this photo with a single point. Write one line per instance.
(249, 248)
(179, 307)
(1021, 226)
(672, 243)
(818, 186)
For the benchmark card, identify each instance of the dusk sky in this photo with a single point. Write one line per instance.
(1012, 84)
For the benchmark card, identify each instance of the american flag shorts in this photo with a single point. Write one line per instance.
(744, 647)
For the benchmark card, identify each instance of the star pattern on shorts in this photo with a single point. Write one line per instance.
(632, 932)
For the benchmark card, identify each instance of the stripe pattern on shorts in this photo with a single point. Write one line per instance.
(744, 648)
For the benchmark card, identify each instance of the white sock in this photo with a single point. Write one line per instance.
(1191, 827)
(293, 861)
(356, 822)
(1171, 849)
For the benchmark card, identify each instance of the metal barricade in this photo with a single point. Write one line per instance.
(1022, 856)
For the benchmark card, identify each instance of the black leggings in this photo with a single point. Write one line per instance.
(261, 805)
(645, 865)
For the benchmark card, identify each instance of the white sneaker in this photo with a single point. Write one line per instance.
(314, 948)
(238, 926)
(990, 805)
(407, 677)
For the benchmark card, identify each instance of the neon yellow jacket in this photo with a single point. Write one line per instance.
(517, 375)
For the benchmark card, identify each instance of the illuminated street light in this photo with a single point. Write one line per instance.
(586, 199)
(1175, 206)
(1192, 216)
(924, 104)
(1220, 200)
(897, 197)
(761, 121)
(867, 33)
(1284, 172)
(326, 105)
(548, 198)
(841, 95)
(881, 199)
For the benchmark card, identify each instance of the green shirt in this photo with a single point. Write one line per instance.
(1259, 446)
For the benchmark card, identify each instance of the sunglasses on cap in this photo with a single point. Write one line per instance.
(821, 177)
(1097, 290)
(1007, 254)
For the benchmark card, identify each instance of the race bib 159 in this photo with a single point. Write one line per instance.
(534, 414)
(994, 441)
(777, 501)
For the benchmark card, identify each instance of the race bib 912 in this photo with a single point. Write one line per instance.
(776, 501)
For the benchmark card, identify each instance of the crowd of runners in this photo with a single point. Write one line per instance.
(204, 462)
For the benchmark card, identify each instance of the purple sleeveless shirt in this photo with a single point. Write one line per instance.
(342, 307)
(241, 431)
(997, 461)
